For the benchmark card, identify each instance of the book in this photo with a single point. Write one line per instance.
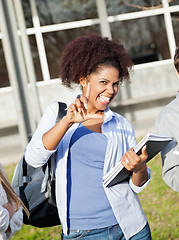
(154, 144)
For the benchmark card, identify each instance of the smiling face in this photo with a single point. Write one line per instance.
(103, 87)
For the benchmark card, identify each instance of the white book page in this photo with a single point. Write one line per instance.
(113, 172)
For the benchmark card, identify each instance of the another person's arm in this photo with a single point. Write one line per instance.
(170, 155)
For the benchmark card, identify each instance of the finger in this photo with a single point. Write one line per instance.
(83, 99)
(72, 108)
(78, 104)
(144, 150)
(133, 158)
(144, 154)
(124, 159)
(130, 154)
(82, 105)
(97, 116)
(83, 113)
(88, 91)
(135, 161)
(125, 162)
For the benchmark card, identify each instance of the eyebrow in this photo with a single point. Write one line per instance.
(108, 79)
(103, 79)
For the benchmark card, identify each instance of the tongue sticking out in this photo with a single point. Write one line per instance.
(104, 99)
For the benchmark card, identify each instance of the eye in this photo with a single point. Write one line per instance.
(116, 84)
(103, 81)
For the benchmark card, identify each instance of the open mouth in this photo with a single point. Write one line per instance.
(103, 99)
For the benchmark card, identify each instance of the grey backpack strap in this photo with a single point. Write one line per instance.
(50, 167)
(61, 111)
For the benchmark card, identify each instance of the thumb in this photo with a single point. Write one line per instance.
(144, 154)
(96, 116)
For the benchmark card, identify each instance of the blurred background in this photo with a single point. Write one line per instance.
(33, 33)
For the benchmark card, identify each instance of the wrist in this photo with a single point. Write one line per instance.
(142, 170)
(67, 122)
(140, 177)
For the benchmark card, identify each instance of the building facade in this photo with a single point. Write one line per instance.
(33, 34)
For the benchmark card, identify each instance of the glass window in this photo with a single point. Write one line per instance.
(55, 43)
(4, 79)
(127, 6)
(61, 11)
(35, 57)
(27, 13)
(145, 39)
(173, 2)
(175, 21)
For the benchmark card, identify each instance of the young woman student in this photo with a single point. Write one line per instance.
(90, 139)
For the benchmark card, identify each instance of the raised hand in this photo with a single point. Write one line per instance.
(78, 111)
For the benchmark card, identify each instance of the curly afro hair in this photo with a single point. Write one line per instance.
(176, 58)
(85, 54)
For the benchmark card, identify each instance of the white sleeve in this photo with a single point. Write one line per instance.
(139, 189)
(4, 219)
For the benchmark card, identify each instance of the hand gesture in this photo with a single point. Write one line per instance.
(132, 162)
(78, 111)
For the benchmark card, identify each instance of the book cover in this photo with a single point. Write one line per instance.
(154, 144)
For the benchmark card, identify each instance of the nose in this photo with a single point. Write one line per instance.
(110, 89)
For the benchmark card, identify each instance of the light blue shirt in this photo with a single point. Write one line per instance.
(88, 205)
(122, 197)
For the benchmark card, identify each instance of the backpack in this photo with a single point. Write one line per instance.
(36, 188)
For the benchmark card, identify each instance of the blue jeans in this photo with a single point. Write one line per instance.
(108, 233)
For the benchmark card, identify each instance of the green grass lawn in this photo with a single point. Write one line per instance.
(160, 204)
